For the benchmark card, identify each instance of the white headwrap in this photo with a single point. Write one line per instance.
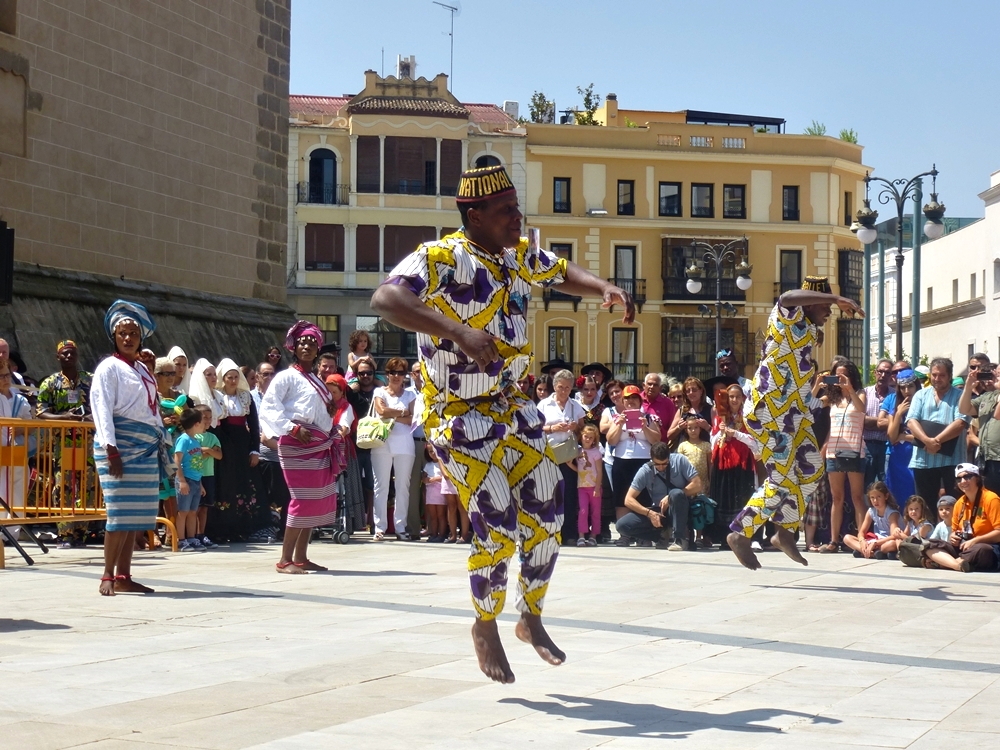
(200, 391)
(173, 354)
(227, 365)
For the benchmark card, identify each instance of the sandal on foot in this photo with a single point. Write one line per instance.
(929, 564)
(814, 548)
(828, 549)
(283, 565)
(107, 578)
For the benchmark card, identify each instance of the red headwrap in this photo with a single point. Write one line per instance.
(339, 380)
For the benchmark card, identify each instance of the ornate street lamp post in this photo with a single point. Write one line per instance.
(900, 191)
(718, 254)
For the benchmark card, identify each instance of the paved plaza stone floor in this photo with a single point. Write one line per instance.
(662, 647)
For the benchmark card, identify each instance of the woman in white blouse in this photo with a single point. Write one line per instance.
(630, 444)
(563, 421)
(127, 437)
(12, 406)
(297, 411)
(394, 402)
(202, 388)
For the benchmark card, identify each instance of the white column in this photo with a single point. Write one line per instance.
(465, 154)
(350, 254)
(381, 163)
(300, 275)
(437, 169)
(381, 251)
(354, 170)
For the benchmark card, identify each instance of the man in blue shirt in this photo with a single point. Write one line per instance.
(670, 482)
(934, 419)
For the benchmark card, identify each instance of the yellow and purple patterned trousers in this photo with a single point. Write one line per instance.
(495, 453)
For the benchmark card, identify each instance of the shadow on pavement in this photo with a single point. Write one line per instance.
(212, 595)
(13, 626)
(649, 720)
(935, 593)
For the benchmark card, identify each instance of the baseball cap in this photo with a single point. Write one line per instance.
(946, 501)
(966, 469)
(631, 390)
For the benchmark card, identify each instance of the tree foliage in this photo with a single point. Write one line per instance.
(542, 109)
(815, 128)
(591, 102)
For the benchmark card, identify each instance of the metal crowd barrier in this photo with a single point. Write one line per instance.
(47, 475)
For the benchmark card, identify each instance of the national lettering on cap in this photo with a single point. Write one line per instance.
(480, 184)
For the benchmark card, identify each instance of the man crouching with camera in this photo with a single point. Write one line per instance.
(670, 482)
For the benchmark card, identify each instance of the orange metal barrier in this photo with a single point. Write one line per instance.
(47, 474)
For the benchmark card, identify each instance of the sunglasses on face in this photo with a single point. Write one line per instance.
(397, 373)
(364, 374)
(965, 477)
(164, 373)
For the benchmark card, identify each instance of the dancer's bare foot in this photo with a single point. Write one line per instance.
(489, 651)
(530, 630)
(107, 587)
(784, 540)
(289, 568)
(125, 585)
(740, 545)
(310, 565)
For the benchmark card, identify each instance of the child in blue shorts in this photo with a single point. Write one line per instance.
(189, 462)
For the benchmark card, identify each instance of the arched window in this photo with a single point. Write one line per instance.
(487, 161)
(323, 176)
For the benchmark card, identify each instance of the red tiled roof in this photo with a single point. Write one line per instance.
(488, 116)
(408, 105)
(327, 106)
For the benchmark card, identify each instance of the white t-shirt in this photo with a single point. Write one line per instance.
(347, 418)
(633, 443)
(554, 414)
(400, 440)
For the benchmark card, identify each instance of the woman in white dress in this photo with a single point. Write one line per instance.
(394, 402)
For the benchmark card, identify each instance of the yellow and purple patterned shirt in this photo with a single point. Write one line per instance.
(462, 281)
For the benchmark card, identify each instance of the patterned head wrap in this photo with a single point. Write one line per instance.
(64, 344)
(722, 353)
(479, 184)
(122, 311)
(300, 329)
(906, 377)
(817, 284)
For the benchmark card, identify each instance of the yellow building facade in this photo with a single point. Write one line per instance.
(374, 174)
(630, 198)
(370, 177)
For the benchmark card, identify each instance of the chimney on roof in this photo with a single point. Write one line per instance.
(512, 109)
(406, 67)
(611, 110)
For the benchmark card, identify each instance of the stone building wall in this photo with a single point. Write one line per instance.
(146, 142)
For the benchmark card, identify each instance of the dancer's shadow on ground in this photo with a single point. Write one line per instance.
(934, 593)
(649, 720)
(369, 573)
(13, 626)
(159, 594)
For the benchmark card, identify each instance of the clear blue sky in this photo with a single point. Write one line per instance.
(917, 80)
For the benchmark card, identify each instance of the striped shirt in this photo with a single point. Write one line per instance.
(873, 404)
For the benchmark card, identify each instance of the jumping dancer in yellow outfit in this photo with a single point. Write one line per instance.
(777, 414)
(466, 296)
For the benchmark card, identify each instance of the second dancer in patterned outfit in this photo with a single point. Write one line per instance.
(777, 415)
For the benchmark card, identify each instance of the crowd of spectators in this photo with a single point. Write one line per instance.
(666, 462)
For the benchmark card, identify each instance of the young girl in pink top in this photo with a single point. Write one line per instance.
(589, 466)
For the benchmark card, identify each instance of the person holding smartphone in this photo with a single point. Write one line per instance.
(986, 406)
(630, 445)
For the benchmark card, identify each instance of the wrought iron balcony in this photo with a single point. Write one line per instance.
(635, 287)
(324, 193)
(627, 372)
(552, 294)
